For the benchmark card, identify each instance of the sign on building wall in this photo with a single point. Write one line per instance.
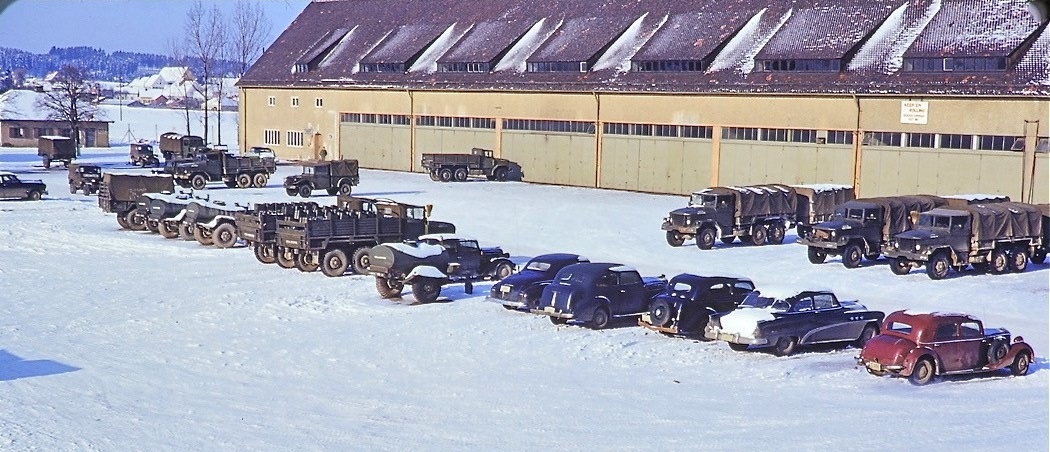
(914, 112)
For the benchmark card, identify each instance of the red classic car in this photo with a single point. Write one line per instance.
(921, 346)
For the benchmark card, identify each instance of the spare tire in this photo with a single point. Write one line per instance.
(661, 312)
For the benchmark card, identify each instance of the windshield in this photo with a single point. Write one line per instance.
(935, 221)
(703, 200)
(538, 266)
(308, 170)
(853, 214)
(570, 277)
(757, 300)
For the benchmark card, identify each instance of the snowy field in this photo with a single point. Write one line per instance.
(113, 340)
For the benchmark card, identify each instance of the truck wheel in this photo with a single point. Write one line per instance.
(900, 266)
(152, 226)
(1019, 259)
(224, 236)
(244, 180)
(260, 180)
(445, 175)
(1000, 262)
(168, 229)
(198, 182)
(776, 234)
(305, 190)
(426, 291)
(500, 174)
(705, 239)
(461, 174)
(758, 235)
(728, 240)
(203, 236)
(230, 183)
(264, 254)
(359, 260)
(345, 188)
(284, 259)
(122, 222)
(389, 288)
(674, 238)
(291, 191)
(186, 231)
(334, 263)
(816, 255)
(136, 221)
(600, 318)
(851, 256)
(938, 265)
(306, 262)
(1039, 256)
(434, 176)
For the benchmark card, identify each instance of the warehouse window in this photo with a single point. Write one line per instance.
(662, 130)
(383, 67)
(295, 101)
(697, 132)
(774, 134)
(997, 142)
(840, 137)
(271, 101)
(318, 102)
(803, 136)
(740, 133)
(921, 140)
(295, 139)
(799, 65)
(955, 141)
(463, 67)
(668, 66)
(882, 138)
(557, 66)
(17, 132)
(549, 126)
(271, 137)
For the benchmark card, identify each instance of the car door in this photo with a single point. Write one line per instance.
(799, 320)
(468, 255)
(830, 320)
(950, 349)
(631, 292)
(5, 186)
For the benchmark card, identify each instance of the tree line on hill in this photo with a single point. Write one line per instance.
(97, 64)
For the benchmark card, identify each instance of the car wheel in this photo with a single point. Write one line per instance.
(198, 182)
(869, 332)
(1020, 364)
(558, 320)
(203, 237)
(259, 180)
(997, 351)
(937, 267)
(461, 174)
(33, 195)
(705, 239)
(674, 238)
(758, 235)
(334, 263)
(776, 234)
(737, 347)
(503, 270)
(264, 254)
(445, 175)
(388, 288)
(785, 346)
(900, 266)
(600, 318)
(816, 255)
(224, 236)
(359, 260)
(244, 180)
(426, 291)
(661, 312)
(305, 190)
(999, 262)
(852, 255)
(923, 372)
(1019, 259)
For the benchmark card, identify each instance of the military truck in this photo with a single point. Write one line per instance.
(757, 214)
(258, 227)
(211, 222)
(996, 237)
(817, 203)
(141, 154)
(56, 149)
(1040, 252)
(335, 177)
(861, 227)
(341, 238)
(84, 177)
(174, 145)
(216, 165)
(432, 262)
(479, 162)
(119, 193)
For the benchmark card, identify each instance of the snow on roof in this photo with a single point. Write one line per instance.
(622, 268)
(739, 53)
(783, 292)
(966, 28)
(6, 173)
(427, 62)
(620, 52)
(443, 237)
(515, 58)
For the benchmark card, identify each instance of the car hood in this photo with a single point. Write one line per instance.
(745, 320)
(524, 278)
(887, 349)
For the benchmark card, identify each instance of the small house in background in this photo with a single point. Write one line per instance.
(22, 123)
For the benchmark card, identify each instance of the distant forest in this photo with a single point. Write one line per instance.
(98, 64)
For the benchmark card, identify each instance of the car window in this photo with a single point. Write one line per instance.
(944, 331)
(538, 266)
(824, 301)
(804, 304)
(900, 327)
(743, 287)
(681, 288)
(756, 300)
(469, 244)
(970, 329)
(608, 279)
(630, 278)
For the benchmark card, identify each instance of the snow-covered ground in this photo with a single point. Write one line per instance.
(118, 340)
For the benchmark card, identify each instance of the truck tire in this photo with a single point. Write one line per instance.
(900, 266)
(224, 236)
(122, 222)
(389, 288)
(674, 238)
(291, 191)
(758, 235)
(152, 226)
(259, 180)
(244, 180)
(202, 236)
(445, 174)
(500, 174)
(305, 190)
(359, 260)
(852, 255)
(461, 174)
(937, 267)
(345, 188)
(705, 239)
(198, 182)
(135, 220)
(999, 263)
(230, 183)
(334, 263)
(186, 231)
(168, 229)
(284, 259)
(1019, 259)
(776, 234)
(434, 176)
(426, 290)
(816, 255)
(264, 253)
(306, 262)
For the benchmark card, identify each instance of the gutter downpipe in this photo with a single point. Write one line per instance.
(597, 138)
(857, 138)
(411, 130)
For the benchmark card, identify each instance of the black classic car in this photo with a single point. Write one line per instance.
(595, 293)
(784, 319)
(688, 301)
(12, 187)
(522, 290)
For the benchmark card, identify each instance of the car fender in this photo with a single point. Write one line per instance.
(425, 271)
(914, 356)
(1011, 353)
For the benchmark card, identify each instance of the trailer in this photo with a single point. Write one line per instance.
(119, 193)
(56, 149)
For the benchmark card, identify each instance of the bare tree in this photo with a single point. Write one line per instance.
(248, 37)
(70, 100)
(178, 56)
(205, 40)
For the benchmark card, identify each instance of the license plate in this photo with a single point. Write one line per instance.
(874, 366)
(645, 318)
(548, 309)
(504, 289)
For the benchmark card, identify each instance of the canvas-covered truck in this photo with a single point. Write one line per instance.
(859, 228)
(478, 163)
(757, 214)
(216, 165)
(56, 149)
(119, 193)
(340, 239)
(141, 154)
(174, 145)
(258, 227)
(335, 177)
(1040, 252)
(817, 203)
(432, 262)
(996, 237)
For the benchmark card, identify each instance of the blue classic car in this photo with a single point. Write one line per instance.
(522, 290)
(594, 293)
(784, 319)
(689, 301)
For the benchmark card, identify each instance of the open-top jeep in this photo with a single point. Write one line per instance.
(335, 177)
(84, 177)
(432, 262)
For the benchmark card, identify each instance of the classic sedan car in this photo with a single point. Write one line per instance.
(785, 319)
(688, 301)
(594, 293)
(522, 290)
(13, 188)
(921, 346)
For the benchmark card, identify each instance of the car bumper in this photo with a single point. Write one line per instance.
(550, 311)
(735, 338)
(645, 322)
(821, 244)
(878, 368)
(508, 303)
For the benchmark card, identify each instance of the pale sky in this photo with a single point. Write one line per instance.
(129, 25)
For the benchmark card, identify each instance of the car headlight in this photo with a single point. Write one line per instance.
(918, 247)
